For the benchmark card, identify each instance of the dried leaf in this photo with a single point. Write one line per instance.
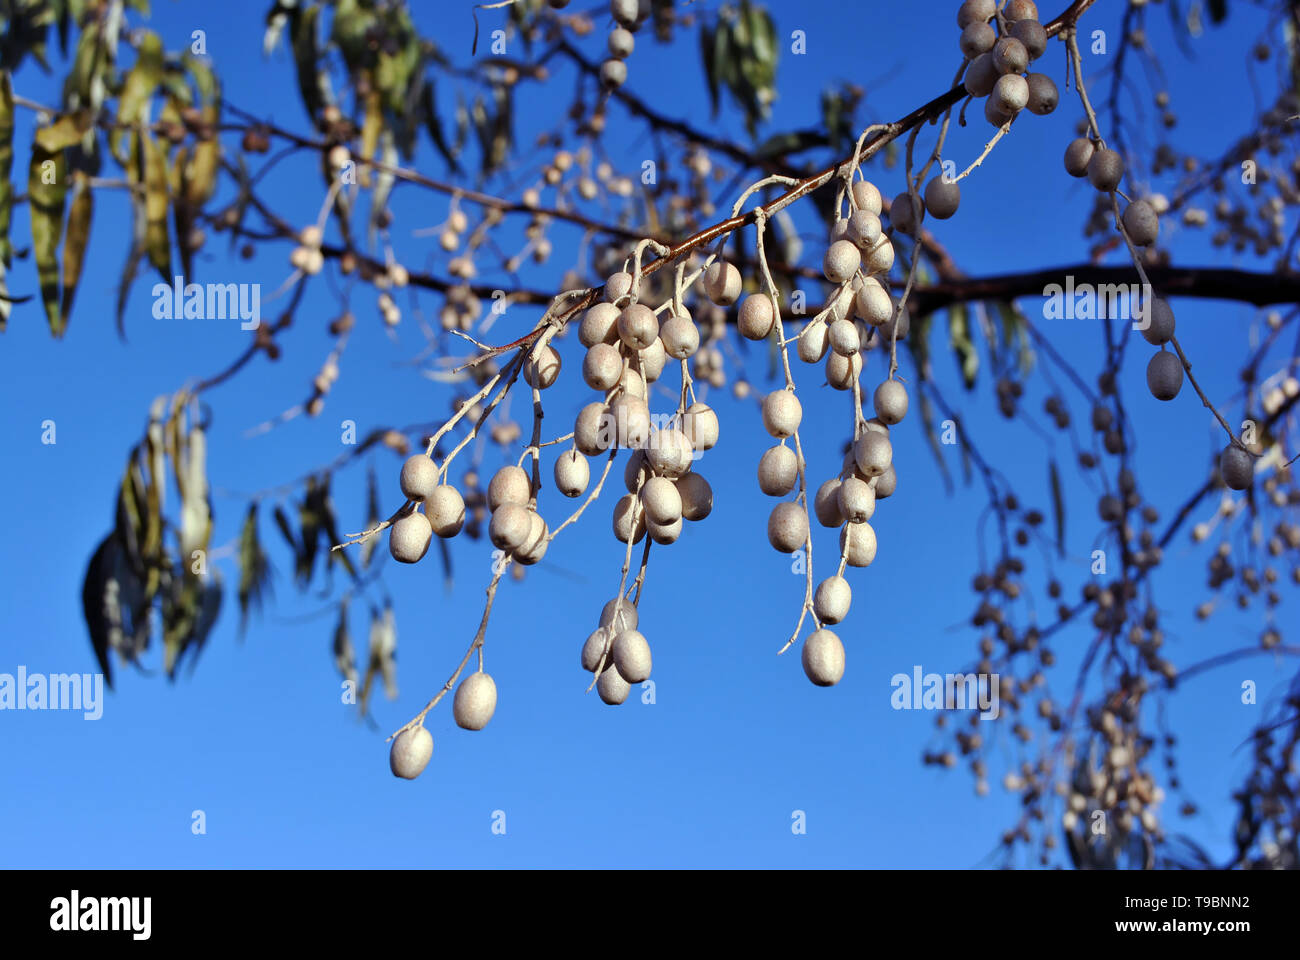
(1058, 506)
(254, 567)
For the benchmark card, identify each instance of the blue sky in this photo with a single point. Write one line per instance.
(737, 740)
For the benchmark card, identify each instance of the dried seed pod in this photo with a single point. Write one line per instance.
(842, 371)
(1160, 324)
(787, 527)
(863, 229)
(445, 509)
(410, 753)
(544, 371)
(611, 686)
(619, 615)
(942, 196)
(669, 452)
(757, 317)
(593, 429)
(832, 600)
(1141, 223)
(680, 336)
(409, 537)
(697, 496)
(475, 702)
(975, 11)
(1164, 375)
(1010, 56)
(632, 656)
(1237, 467)
(778, 471)
(880, 258)
(700, 424)
(890, 401)
(782, 413)
(981, 75)
(599, 325)
(509, 526)
(886, 483)
(613, 73)
(662, 501)
(1043, 95)
(419, 477)
(510, 484)
(722, 283)
(866, 196)
(1032, 34)
(596, 647)
(638, 326)
(858, 544)
(1105, 170)
(873, 453)
(977, 38)
(1077, 157)
(826, 503)
(631, 421)
(572, 473)
(629, 519)
(872, 302)
(823, 658)
(812, 341)
(857, 500)
(1020, 10)
(841, 261)
(1011, 94)
(844, 337)
(653, 359)
(617, 286)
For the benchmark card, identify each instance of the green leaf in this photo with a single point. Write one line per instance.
(312, 83)
(309, 522)
(372, 517)
(708, 50)
(100, 605)
(282, 524)
(964, 349)
(432, 123)
(345, 658)
(325, 509)
(1058, 505)
(932, 437)
(254, 567)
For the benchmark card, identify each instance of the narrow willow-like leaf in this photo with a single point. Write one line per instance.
(47, 190)
(74, 247)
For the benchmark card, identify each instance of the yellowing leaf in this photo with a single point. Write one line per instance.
(141, 82)
(46, 191)
(74, 247)
(156, 201)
